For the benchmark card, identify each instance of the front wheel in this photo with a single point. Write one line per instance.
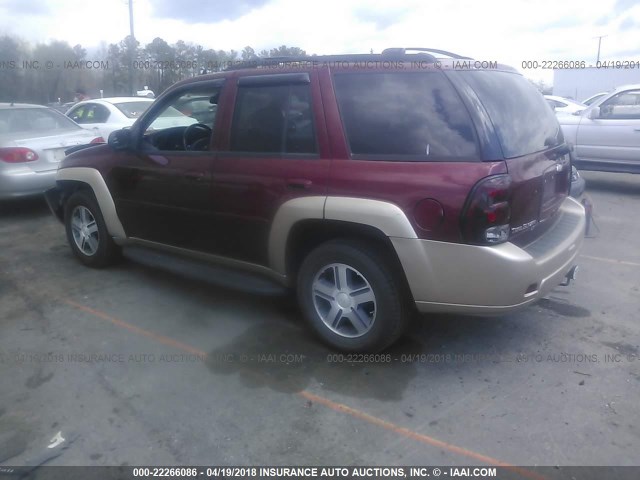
(352, 297)
(87, 233)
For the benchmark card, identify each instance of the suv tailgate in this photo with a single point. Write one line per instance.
(532, 145)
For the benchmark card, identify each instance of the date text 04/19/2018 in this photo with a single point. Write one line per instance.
(579, 64)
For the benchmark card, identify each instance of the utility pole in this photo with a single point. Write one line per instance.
(599, 42)
(132, 43)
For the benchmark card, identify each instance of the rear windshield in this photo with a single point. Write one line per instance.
(133, 109)
(404, 115)
(522, 118)
(16, 120)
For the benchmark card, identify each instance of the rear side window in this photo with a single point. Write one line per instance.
(399, 115)
(522, 119)
(273, 119)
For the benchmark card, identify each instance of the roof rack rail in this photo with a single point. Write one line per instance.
(349, 57)
(402, 51)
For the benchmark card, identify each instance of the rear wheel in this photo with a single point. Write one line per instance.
(87, 232)
(352, 296)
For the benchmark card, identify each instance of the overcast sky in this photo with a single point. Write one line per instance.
(509, 31)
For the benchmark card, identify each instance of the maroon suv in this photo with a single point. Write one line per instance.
(372, 184)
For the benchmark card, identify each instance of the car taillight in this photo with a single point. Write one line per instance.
(97, 140)
(18, 155)
(487, 213)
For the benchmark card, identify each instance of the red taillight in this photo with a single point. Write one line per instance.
(18, 155)
(97, 140)
(487, 214)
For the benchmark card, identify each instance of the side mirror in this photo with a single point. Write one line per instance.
(594, 113)
(120, 139)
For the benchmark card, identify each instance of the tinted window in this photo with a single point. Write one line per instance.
(625, 105)
(523, 121)
(417, 114)
(273, 119)
(77, 113)
(95, 113)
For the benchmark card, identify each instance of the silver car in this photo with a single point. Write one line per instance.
(607, 134)
(33, 140)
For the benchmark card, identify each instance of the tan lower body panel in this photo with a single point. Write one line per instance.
(458, 278)
(92, 177)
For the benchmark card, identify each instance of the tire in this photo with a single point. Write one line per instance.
(355, 319)
(87, 233)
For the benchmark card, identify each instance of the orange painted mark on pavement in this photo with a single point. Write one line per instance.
(338, 407)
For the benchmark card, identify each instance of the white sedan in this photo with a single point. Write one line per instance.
(562, 105)
(105, 115)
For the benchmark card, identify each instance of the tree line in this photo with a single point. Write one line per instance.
(56, 71)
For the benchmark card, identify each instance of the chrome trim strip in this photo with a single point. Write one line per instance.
(93, 178)
(474, 310)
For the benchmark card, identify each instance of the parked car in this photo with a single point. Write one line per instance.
(593, 98)
(145, 92)
(106, 115)
(562, 105)
(372, 192)
(607, 134)
(33, 140)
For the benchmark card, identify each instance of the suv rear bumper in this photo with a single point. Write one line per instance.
(458, 278)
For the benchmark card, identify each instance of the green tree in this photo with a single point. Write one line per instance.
(162, 57)
(248, 54)
(12, 54)
(284, 51)
(54, 78)
(118, 69)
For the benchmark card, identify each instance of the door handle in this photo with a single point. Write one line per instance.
(636, 129)
(298, 183)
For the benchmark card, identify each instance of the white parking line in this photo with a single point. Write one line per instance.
(611, 260)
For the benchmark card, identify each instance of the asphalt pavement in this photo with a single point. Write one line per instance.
(157, 362)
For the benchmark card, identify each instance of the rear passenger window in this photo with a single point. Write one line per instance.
(522, 119)
(273, 119)
(404, 114)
